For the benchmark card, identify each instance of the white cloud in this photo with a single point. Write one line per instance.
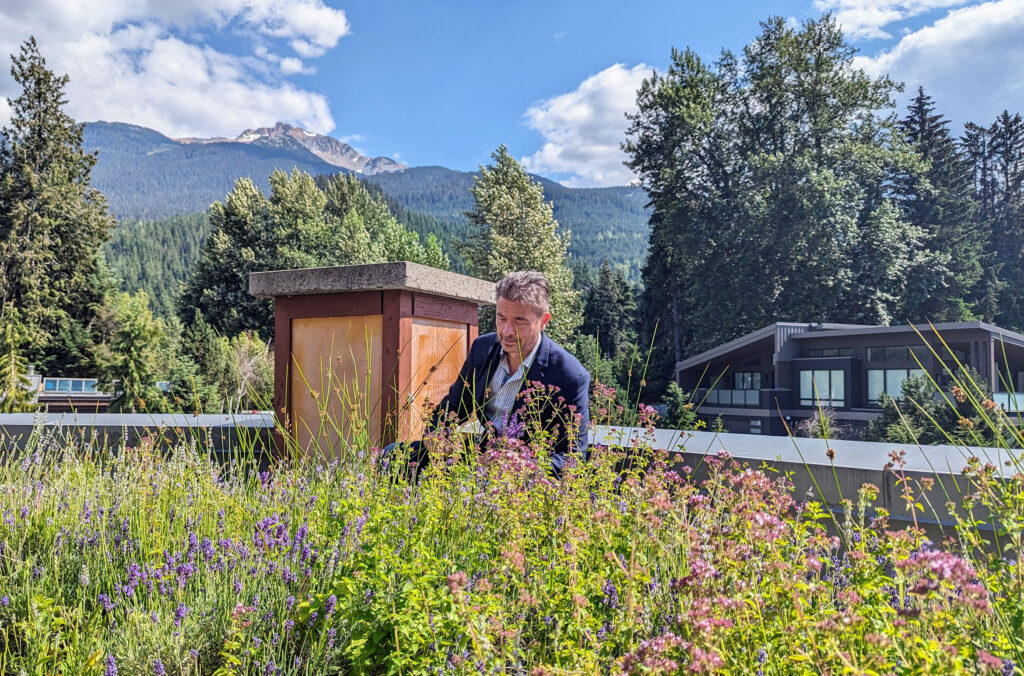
(145, 61)
(968, 61)
(584, 128)
(867, 18)
(290, 66)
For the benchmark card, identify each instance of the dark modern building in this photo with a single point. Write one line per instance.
(782, 371)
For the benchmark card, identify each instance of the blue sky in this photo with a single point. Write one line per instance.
(447, 82)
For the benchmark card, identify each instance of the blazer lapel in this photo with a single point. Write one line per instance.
(486, 370)
(540, 360)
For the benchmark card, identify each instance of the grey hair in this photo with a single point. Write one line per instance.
(527, 287)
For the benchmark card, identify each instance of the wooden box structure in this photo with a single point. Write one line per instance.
(362, 352)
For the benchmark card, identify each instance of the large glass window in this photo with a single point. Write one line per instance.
(831, 352)
(827, 387)
(897, 353)
(889, 381)
(747, 380)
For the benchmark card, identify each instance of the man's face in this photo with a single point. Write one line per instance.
(518, 326)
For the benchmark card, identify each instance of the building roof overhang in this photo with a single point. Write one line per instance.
(832, 330)
(769, 331)
(928, 330)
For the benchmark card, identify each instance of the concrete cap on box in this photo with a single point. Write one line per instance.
(371, 277)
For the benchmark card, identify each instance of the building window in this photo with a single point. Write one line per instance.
(831, 352)
(755, 426)
(747, 380)
(899, 353)
(889, 381)
(825, 387)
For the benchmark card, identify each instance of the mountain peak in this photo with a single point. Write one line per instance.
(327, 148)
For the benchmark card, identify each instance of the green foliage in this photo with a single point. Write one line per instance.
(609, 310)
(606, 222)
(15, 386)
(298, 226)
(514, 229)
(995, 152)
(129, 353)
(937, 195)
(253, 372)
(158, 256)
(487, 564)
(188, 389)
(52, 223)
(770, 176)
(680, 409)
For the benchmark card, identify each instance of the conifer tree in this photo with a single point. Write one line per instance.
(299, 226)
(1006, 158)
(937, 196)
(976, 145)
(609, 310)
(129, 353)
(15, 386)
(515, 229)
(52, 223)
(770, 176)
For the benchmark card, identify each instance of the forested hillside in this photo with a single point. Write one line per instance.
(146, 175)
(157, 256)
(605, 222)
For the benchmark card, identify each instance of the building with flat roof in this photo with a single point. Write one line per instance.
(781, 372)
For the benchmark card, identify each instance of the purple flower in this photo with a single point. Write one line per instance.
(514, 428)
(111, 666)
(288, 624)
(611, 594)
(5, 601)
(105, 602)
(158, 668)
(179, 613)
(330, 604)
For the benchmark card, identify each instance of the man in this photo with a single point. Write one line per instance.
(500, 365)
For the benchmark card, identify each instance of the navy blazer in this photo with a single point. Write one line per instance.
(552, 365)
